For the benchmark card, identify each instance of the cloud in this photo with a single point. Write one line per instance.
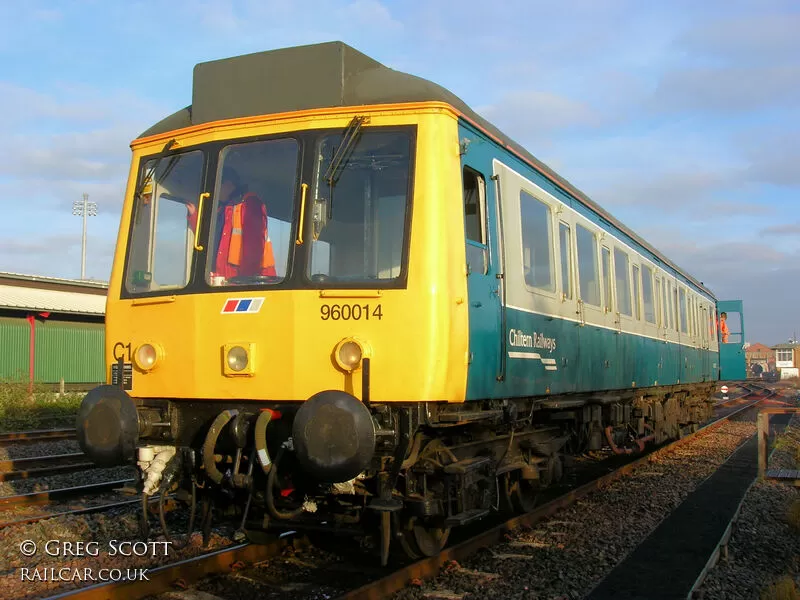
(755, 38)
(774, 156)
(727, 89)
(784, 229)
(373, 14)
(532, 114)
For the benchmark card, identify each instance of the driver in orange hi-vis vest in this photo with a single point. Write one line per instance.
(722, 325)
(244, 247)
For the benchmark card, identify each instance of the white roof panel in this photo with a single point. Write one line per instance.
(24, 298)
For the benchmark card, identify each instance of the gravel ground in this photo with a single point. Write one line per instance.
(12, 451)
(762, 548)
(565, 556)
(20, 512)
(26, 486)
(102, 529)
(297, 574)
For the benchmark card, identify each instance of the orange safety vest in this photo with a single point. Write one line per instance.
(232, 252)
(723, 330)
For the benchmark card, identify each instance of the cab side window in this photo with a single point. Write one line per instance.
(475, 221)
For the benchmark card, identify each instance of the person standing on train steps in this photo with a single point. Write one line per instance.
(722, 325)
(243, 247)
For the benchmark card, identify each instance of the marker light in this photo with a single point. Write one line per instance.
(147, 356)
(237, 359)
(348, 354)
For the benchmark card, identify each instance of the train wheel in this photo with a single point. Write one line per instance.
(418, 541)
(520, 494)
(553, 472)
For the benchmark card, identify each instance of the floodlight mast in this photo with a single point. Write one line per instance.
(84, 209)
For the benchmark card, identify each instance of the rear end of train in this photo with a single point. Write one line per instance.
(732, 358)
(283, 382)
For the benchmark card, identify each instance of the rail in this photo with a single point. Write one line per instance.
(39, 435)
(182, 573)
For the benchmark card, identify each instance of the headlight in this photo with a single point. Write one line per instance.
(147, 356)
(349, 353)
(237, 359)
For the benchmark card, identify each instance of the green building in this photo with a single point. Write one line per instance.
(52, 329)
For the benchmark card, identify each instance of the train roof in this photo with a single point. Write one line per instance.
(334, 74)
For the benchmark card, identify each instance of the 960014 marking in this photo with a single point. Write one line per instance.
(350, 312)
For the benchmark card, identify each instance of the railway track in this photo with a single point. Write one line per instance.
(67, 513)
(188, 571)
(430, 567)
(39, 498)
(40, 435)
(43, 466)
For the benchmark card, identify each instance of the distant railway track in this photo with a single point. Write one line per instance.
(43, 466)
(44, 497)
(36, 436)
(27, 520)
(236, 557)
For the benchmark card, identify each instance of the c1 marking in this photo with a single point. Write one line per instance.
(119, 351)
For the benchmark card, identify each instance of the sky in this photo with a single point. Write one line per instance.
(681, 118)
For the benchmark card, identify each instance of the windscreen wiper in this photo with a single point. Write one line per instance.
(167, 147)
(343, 152)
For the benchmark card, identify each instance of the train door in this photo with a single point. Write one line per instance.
(483, 267)
(732, 364)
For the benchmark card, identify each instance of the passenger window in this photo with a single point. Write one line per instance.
(537, 245)
(702, 323)
(475, 221)
(674, 300)
(650, 303)
(564, 239)
(712, 325)
(659, 304)
(588, 277)
(622, 273)
(607, 278)
(682, 304)
(636, 294)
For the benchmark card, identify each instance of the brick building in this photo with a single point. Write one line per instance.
(761, 355)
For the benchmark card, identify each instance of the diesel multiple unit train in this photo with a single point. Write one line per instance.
(342, 302)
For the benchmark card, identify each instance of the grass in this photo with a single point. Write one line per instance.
(21, 410)
(793, 516)
(783, 589)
